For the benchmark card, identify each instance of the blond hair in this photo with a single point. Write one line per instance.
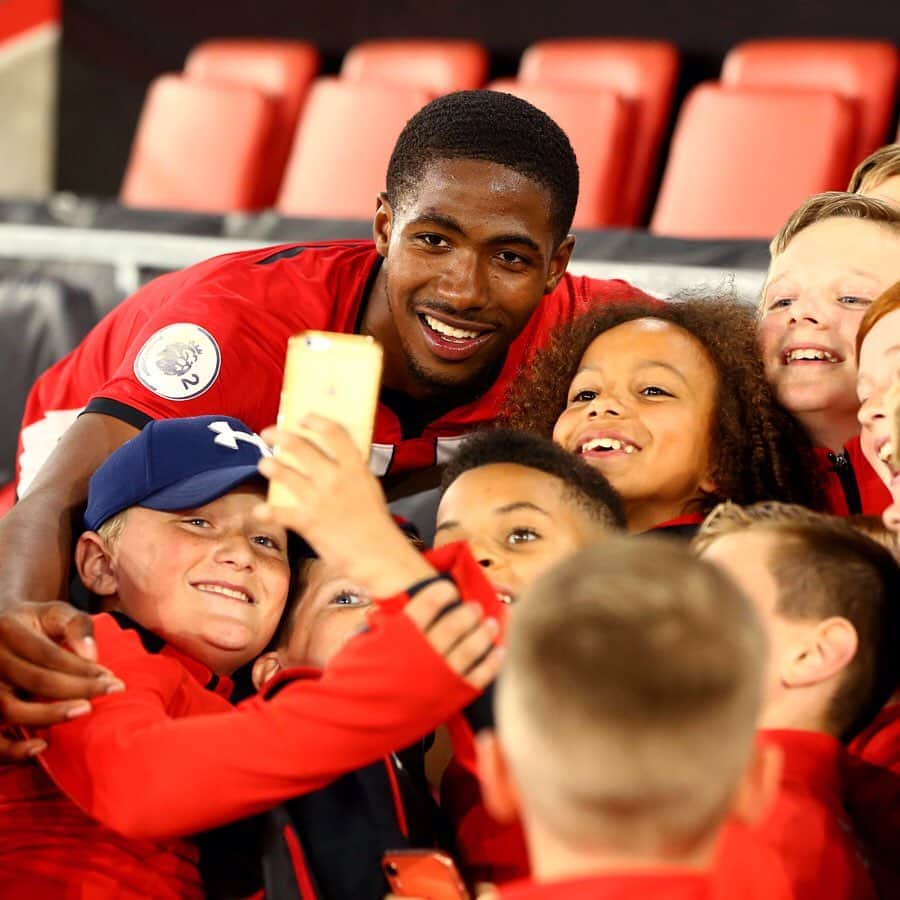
(629, 696)
(875, 169)
(728, 517)
(834, 205)
(111, 530)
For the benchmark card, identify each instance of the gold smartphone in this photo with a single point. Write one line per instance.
(336, 376)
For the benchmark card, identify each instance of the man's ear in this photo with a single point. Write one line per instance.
(266, 668)
(382, 224)
(94, 563)
(558, 263)
(501, 799)
(759, 785)
(829, 648)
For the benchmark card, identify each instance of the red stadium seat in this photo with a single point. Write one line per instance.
(864, 72)
(642, 72)
(199, 146)
(343, 146)
(439, 66)
(742, 159)
(282, 70)
(599, 126)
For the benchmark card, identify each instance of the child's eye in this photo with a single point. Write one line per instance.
(585, 396)
(522, 536)
(198, 522)
(781, 303)
(265, 540)
(653, 390)
(349, 598)
(854, 301)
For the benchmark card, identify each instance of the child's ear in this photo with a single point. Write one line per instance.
(94, 563)
(501, 799)
(759, 785)
(828, 650)
(266, 668)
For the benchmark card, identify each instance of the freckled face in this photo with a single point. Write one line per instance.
(212, 581)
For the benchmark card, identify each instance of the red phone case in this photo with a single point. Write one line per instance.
(425, 874)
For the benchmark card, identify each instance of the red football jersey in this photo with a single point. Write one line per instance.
(212, 339)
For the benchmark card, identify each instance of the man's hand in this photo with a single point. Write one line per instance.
(458, 631)
(340, 508)
(34, 661)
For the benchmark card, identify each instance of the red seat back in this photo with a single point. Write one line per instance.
(199, 146)
(643, 72)
(343, 145)
(282, 70)
(439, 66)
(865, 72)
(598, 125)
(742, 160)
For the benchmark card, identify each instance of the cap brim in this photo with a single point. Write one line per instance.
(200, 489)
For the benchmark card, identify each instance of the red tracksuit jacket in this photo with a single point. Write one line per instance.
(116, 791)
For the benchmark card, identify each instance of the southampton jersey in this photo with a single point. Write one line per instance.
(211, 339)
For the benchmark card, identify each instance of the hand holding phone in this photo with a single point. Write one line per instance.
(336, 376)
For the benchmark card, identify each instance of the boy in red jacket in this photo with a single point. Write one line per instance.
(626, 711)
(198, 583)
(828, 596)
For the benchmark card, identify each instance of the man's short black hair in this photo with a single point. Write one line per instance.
(584, 484)
(494, 127)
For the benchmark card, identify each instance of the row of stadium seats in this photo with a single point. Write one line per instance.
(248, 125)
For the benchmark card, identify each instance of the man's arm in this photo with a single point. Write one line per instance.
(35, 548)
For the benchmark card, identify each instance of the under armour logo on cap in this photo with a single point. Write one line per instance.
(173, 465)
(228, 437)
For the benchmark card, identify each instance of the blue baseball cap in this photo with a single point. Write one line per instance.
(175, 464)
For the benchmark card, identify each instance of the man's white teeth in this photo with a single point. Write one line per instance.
(225, 592)
(449, 331)
(809, 353)
(886, 452)
(607, 443)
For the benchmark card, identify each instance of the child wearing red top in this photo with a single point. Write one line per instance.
(198, 583)
(625, 714)
(828, 596)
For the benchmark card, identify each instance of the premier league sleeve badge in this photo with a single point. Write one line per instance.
(179, 362)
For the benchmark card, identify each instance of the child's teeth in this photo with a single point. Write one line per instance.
(607, 443)
(809, 353)
(886, 452)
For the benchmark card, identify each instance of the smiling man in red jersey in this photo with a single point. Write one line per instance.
(466, 275)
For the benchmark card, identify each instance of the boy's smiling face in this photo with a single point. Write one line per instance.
(517, 520)
(212, 581)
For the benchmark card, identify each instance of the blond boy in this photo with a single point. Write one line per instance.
(625, 718)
